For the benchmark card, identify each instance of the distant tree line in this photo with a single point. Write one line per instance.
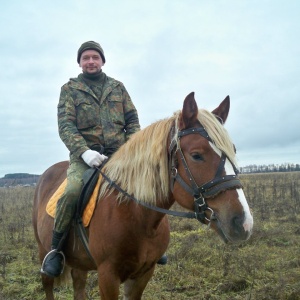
(15, 179)
(287, 167)
(18, 175)
(31, 179)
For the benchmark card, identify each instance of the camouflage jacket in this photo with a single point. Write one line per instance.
(84, 120)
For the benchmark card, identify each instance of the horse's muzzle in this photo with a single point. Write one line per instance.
(235, 231)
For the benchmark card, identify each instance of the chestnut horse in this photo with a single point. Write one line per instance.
(187, 158)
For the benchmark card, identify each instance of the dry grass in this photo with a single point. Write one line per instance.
(200, 265)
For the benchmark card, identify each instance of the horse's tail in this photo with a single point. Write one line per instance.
(64, 278)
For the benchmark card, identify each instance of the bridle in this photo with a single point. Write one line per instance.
(218, 184)
(210, 189)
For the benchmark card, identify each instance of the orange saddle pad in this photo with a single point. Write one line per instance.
(89, 209)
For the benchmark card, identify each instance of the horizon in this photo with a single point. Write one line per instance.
(240, 167)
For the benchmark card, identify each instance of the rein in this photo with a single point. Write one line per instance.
(208, 190)
(188, 215)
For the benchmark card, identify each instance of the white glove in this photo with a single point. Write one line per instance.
(93, 158)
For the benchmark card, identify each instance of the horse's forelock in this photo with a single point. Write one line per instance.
(217, 133)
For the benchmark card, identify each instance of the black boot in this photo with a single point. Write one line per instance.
(54, 261)
(163, 260)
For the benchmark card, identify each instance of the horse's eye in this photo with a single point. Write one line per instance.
(197, 156)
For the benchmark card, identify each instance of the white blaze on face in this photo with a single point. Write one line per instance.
(248, 223)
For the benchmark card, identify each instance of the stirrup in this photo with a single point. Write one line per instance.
(63, 262)
(163, 260)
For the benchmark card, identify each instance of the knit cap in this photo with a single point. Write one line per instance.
(90, 45)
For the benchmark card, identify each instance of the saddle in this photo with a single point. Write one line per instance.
(86, 202)
(85, 205)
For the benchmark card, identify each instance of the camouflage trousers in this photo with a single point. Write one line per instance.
(66, 205)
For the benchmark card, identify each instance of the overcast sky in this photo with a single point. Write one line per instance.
(161, 50)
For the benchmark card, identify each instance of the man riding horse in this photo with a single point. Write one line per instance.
(95, 117)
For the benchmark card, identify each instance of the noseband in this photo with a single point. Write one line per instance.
(210, 189)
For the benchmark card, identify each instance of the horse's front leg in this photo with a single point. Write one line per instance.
(79, 280)
(109, 283)
(134, 288)
(48, 283)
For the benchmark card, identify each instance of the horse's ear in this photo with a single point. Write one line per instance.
(221, 112)
(189, 115)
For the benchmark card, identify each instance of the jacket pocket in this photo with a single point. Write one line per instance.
(116, 111)
(87, 113)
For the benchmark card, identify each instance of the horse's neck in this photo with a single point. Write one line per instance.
(153, 217)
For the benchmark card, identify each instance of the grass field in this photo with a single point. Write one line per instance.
(200, 266)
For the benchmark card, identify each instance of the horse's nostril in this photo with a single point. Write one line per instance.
(238, 222)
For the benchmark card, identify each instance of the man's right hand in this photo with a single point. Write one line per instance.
(93, 158)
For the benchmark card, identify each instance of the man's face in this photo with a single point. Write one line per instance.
(90, 61)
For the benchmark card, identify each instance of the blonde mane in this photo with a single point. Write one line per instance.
(140, 166)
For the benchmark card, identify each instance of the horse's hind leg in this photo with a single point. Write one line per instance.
(79, 280)
(48, 283)
(134, 288)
